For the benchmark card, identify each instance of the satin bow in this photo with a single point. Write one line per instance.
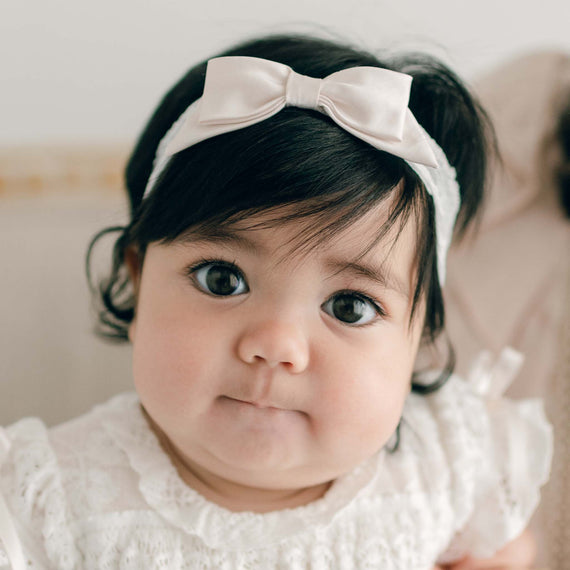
(369, 102)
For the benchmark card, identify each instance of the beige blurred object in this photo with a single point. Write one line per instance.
(52, 201)
(509, 286)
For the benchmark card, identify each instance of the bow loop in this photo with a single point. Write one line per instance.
(370, 99)
(242, 89)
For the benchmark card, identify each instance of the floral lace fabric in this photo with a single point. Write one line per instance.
(99, 493)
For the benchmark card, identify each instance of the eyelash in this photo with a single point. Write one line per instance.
(194, 268)
(214, 261)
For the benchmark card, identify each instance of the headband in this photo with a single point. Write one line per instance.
(369, 102)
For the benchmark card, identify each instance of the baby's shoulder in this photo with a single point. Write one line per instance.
(463, 429)
(64, 484)
(488, 456)
(90, 436)
(82, 440)
(71, 466)
(461, 413)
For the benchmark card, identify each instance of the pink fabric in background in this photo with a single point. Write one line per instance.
(509, 285)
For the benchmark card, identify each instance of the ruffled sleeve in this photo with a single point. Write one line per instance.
(4, 562)
(33, 511)
(10, 547)
(513, 463)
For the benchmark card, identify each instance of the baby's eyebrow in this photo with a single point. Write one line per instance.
(221, 236)
(370, 272)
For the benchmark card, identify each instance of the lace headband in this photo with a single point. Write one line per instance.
(369, 102)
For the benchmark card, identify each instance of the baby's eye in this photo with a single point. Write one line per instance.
(219, 278)
(352, 308)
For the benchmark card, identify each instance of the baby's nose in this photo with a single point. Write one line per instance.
(275, 343)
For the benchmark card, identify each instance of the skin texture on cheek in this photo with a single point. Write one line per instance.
(369, 410)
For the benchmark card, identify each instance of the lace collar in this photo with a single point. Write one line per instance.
(164, 490)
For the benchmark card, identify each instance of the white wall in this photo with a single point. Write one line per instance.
(92, 71)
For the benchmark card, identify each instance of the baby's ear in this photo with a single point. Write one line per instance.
(134, 266)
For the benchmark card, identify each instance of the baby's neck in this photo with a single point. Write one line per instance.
(229, 494)
(236, 497)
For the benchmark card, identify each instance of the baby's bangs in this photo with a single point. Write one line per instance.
(297, 157)
(327, 216)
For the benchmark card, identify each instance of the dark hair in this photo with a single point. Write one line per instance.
(304, 159)
(563, 133)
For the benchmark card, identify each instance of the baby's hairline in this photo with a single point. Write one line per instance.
(316, 228)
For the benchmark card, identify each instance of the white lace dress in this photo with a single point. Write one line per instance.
(98, 493)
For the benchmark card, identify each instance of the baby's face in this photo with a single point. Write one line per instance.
(269, 368)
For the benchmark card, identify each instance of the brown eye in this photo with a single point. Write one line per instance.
(220, 279)
(351, 309)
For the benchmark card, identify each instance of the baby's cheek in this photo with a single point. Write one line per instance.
(166, 365)
(357, 418)
(378, 419)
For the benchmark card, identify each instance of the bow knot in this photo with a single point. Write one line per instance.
(302, 91)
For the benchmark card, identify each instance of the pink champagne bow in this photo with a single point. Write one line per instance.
(369, 102)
